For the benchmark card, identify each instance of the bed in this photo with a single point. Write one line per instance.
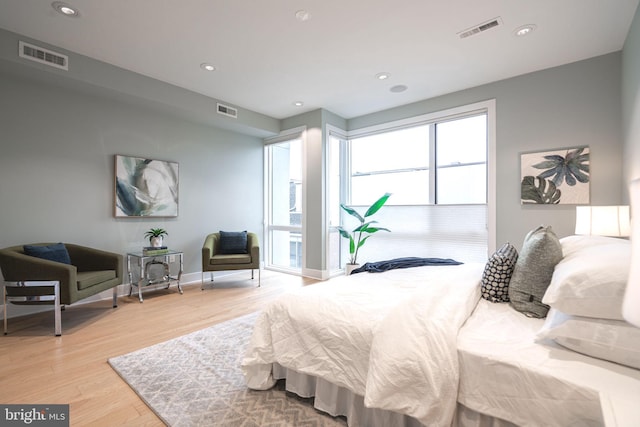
(439, 346)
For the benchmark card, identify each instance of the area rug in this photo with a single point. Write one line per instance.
(195, 380)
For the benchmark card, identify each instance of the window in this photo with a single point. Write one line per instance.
(337, 144)
(400, 162)
(284, 204)
(461, 161)
(436, 167)
(393, 162)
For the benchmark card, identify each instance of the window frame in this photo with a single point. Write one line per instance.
(298, 133)
(487, 107)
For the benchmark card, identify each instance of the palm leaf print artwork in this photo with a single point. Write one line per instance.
(555, 177)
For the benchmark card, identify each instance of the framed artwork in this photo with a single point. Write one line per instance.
(145, 187)
(555, 177)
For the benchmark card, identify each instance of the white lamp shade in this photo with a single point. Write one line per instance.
(631, 303)
(603, 220)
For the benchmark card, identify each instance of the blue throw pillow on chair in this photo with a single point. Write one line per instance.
(56, 252)
(233, 242)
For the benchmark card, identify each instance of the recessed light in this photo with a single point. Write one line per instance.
(382, 76)
(298, 103)
(398, 88)
(207, 67)
(524, 30)
(65, 9)
(302, 15)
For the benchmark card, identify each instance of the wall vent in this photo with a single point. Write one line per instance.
(43, 56)
(492, 23)
(227, 111)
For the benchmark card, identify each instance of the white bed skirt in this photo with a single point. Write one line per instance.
(338, 401)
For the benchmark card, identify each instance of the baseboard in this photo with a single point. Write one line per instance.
(187, 279)
(315, 274)
(123, 290)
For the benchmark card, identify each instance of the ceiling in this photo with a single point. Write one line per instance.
(267, 59)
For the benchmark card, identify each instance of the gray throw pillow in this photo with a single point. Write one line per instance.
(540, 253)
(233, 242)
(497, 274)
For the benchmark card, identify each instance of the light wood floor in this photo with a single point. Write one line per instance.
(38, 368)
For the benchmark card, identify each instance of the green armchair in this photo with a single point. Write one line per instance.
(90, 272)
(214, 260)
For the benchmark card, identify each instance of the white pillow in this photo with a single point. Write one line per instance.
(591, 278)
(612, 340)
(572, 244)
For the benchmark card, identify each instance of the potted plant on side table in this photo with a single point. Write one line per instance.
(361, 233)
(155, 236)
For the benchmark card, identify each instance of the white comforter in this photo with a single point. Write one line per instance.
(390, 337)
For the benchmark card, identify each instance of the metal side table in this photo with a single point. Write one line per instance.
(143, 270)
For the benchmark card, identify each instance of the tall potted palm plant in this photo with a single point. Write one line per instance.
(359, 235)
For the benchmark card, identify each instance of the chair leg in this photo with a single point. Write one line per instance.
(57, 308)
(115, 296)
(56, 305)
(202, 285)
(258, 275)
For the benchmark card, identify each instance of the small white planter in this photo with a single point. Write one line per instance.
(156, 242)
(350, 267)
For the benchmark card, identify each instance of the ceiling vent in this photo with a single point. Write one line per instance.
(225, 110)
(43, 56)
(492, 23)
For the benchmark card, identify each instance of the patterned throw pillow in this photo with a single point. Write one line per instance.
(497, 274)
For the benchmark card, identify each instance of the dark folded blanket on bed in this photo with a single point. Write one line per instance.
(380, 266)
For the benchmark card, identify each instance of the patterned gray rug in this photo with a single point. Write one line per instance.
(195, 380)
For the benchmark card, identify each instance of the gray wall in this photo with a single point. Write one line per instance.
(631, 101)
(57, 180)
(59, 136)
(106, 80)
(575, 104)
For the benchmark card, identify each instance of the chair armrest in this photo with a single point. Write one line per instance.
(209, 247)
(253, 247)
(91, 259)
(17, 267)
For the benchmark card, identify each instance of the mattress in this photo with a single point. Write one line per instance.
(504, 373)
